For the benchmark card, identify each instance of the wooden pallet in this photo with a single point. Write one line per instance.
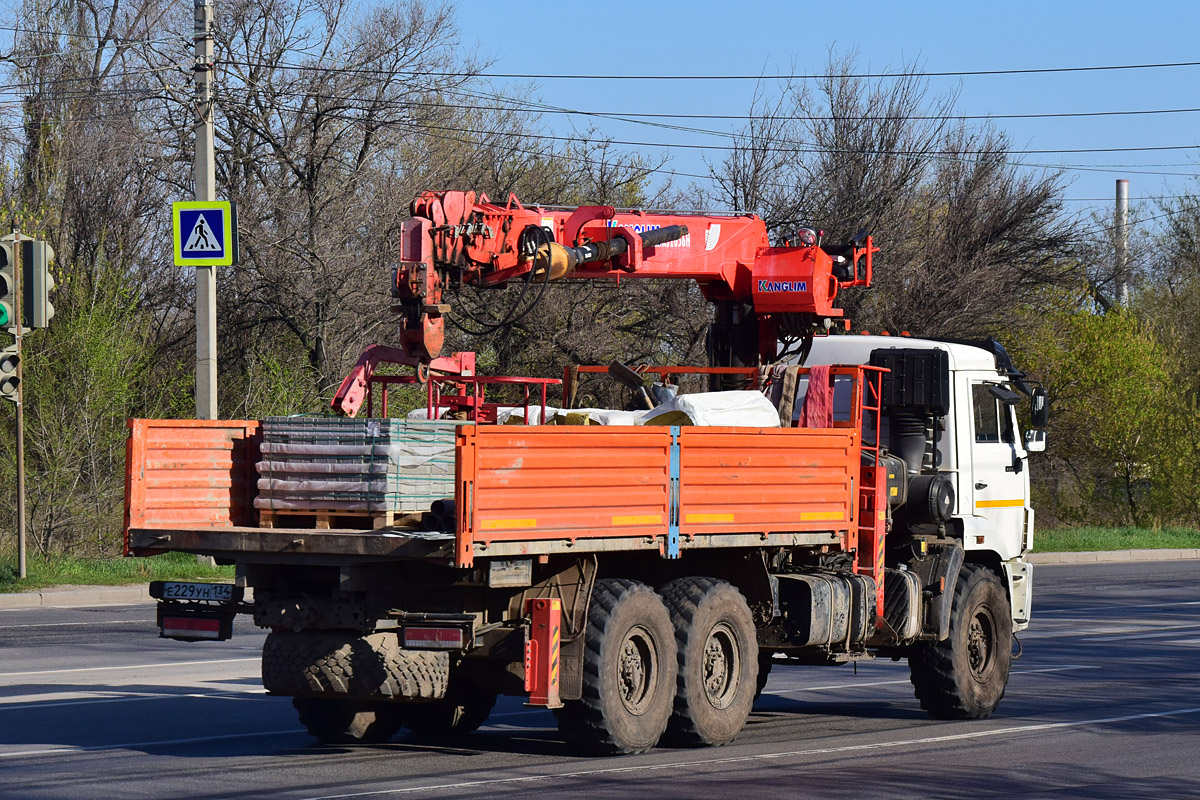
(325, 519)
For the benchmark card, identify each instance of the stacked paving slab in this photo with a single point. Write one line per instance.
(375, 468)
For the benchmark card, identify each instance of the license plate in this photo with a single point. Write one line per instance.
(172, 590)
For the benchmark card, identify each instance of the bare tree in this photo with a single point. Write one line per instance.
(965, 234)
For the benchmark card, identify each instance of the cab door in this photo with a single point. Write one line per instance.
(999, 477)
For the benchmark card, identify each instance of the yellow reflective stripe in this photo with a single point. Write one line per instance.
(821, 516)
(708, 518)
(1018, 503)
(494, 524)
(638, 519)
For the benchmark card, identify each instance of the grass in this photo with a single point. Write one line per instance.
(1073, 540)
(74, 571)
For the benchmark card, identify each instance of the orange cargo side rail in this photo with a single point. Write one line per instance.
(532, 490)
(190, 473)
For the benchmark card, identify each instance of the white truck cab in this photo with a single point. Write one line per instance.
(977, 444)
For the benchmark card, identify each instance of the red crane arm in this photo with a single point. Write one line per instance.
(469, 239)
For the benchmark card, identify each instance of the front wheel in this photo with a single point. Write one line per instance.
(964, 677)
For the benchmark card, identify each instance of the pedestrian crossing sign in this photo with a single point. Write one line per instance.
(205, 233)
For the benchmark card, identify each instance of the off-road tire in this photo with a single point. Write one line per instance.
(346, 721)
(466, 706)
(765, 661)
(718, 661)
(629, 669)
(964, 677)
(349, 665)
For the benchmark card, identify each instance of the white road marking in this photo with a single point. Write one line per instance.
(131, 666)
(65, 624)
(53, 751)
(131, 698)
(1088, 610)
(1166, 630)
(906, 681)
(98, 607)
(1013, 731)
(1116, 633)
(834, 686)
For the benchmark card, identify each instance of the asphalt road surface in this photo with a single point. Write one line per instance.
(1104, 703)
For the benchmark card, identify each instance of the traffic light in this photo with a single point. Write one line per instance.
(9, 360)
(36, 283)
(8, 290)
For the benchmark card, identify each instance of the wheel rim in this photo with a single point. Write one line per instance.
(722, 666)
(981, 644)
(637, 670)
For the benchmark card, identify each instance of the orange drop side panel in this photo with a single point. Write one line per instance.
(531, 485)
(766, 480)
(518, 483)
(190, 473)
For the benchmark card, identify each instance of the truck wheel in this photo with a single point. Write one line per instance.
(718, 661)
(765, 661)
(467, 705)
(628, 672)
(338, 721)
(964, 676)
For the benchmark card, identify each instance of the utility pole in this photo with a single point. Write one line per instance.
(22, 570)
(206, 190)
(1121, 228)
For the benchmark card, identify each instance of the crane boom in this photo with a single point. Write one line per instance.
(760, 292)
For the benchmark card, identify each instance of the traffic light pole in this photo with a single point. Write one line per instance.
(20, 320)
(206, 189)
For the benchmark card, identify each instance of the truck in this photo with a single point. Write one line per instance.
(639, 580)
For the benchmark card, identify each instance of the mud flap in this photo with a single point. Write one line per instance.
(938, 572)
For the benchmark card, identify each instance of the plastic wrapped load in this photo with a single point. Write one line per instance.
(354, 465)
(739, 408)
(567, 416)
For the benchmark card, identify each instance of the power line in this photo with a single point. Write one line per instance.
(639, 116)
(758, 77)
(801, 147)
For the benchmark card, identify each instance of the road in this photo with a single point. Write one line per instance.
(1104, 703)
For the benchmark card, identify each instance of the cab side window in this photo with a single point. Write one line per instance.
(992, 419)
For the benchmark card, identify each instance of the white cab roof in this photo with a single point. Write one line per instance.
(856, 349)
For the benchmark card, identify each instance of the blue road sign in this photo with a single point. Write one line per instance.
(204, 234)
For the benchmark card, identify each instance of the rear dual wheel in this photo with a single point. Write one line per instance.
(628, 672)
(466, 706)
(345, 721)
(718, 661)
(683, 664)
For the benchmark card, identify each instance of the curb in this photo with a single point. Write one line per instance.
(1113, 556)
(75, 596)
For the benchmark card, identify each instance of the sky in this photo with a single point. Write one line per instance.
(753, 37)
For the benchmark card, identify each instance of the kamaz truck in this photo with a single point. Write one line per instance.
(639, 579)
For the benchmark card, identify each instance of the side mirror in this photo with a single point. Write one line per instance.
(1035, 441)
(1039, 403)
